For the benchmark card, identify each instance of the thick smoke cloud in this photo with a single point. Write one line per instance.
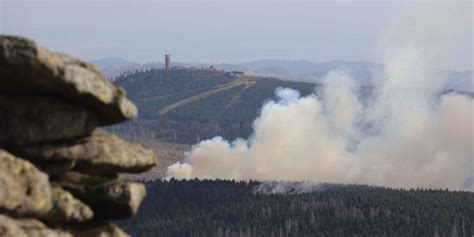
(404, 135)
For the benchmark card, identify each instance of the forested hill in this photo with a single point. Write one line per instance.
(182, 106)
(187, 105)
(230, 208)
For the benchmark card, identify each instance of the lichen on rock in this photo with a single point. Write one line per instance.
(59, 172)
(26, 67)
(67, 209)
(99, 153)
(110, 198)
(24, 190)
(31, 119)
(10, 227)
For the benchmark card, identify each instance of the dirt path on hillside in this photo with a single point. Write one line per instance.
(203, 95)
(236, 98)
(159, 97)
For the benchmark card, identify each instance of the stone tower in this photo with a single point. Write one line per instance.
(167, 61)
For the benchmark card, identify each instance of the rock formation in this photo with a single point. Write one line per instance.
(58, 169)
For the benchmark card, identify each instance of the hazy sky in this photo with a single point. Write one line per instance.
(204, 31)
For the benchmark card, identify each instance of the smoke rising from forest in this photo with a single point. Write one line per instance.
(405, 134)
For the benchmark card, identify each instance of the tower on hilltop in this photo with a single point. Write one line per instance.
(167, 61)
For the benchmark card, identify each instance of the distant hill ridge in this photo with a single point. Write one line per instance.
(296, 70)
(110, 62)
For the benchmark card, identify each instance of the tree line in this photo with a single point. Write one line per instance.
(231, 208)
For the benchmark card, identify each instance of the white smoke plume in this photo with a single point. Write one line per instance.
(407, 135)
(299, 187)
(287, 187)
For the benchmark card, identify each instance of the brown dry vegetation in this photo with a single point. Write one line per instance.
(165, 153)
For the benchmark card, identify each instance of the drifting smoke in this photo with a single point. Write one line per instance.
(406, 135)
(286, 187)
(299, 187)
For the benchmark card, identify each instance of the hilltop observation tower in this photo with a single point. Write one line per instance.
(167, 61)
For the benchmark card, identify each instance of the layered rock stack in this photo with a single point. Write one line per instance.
(58, 169)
